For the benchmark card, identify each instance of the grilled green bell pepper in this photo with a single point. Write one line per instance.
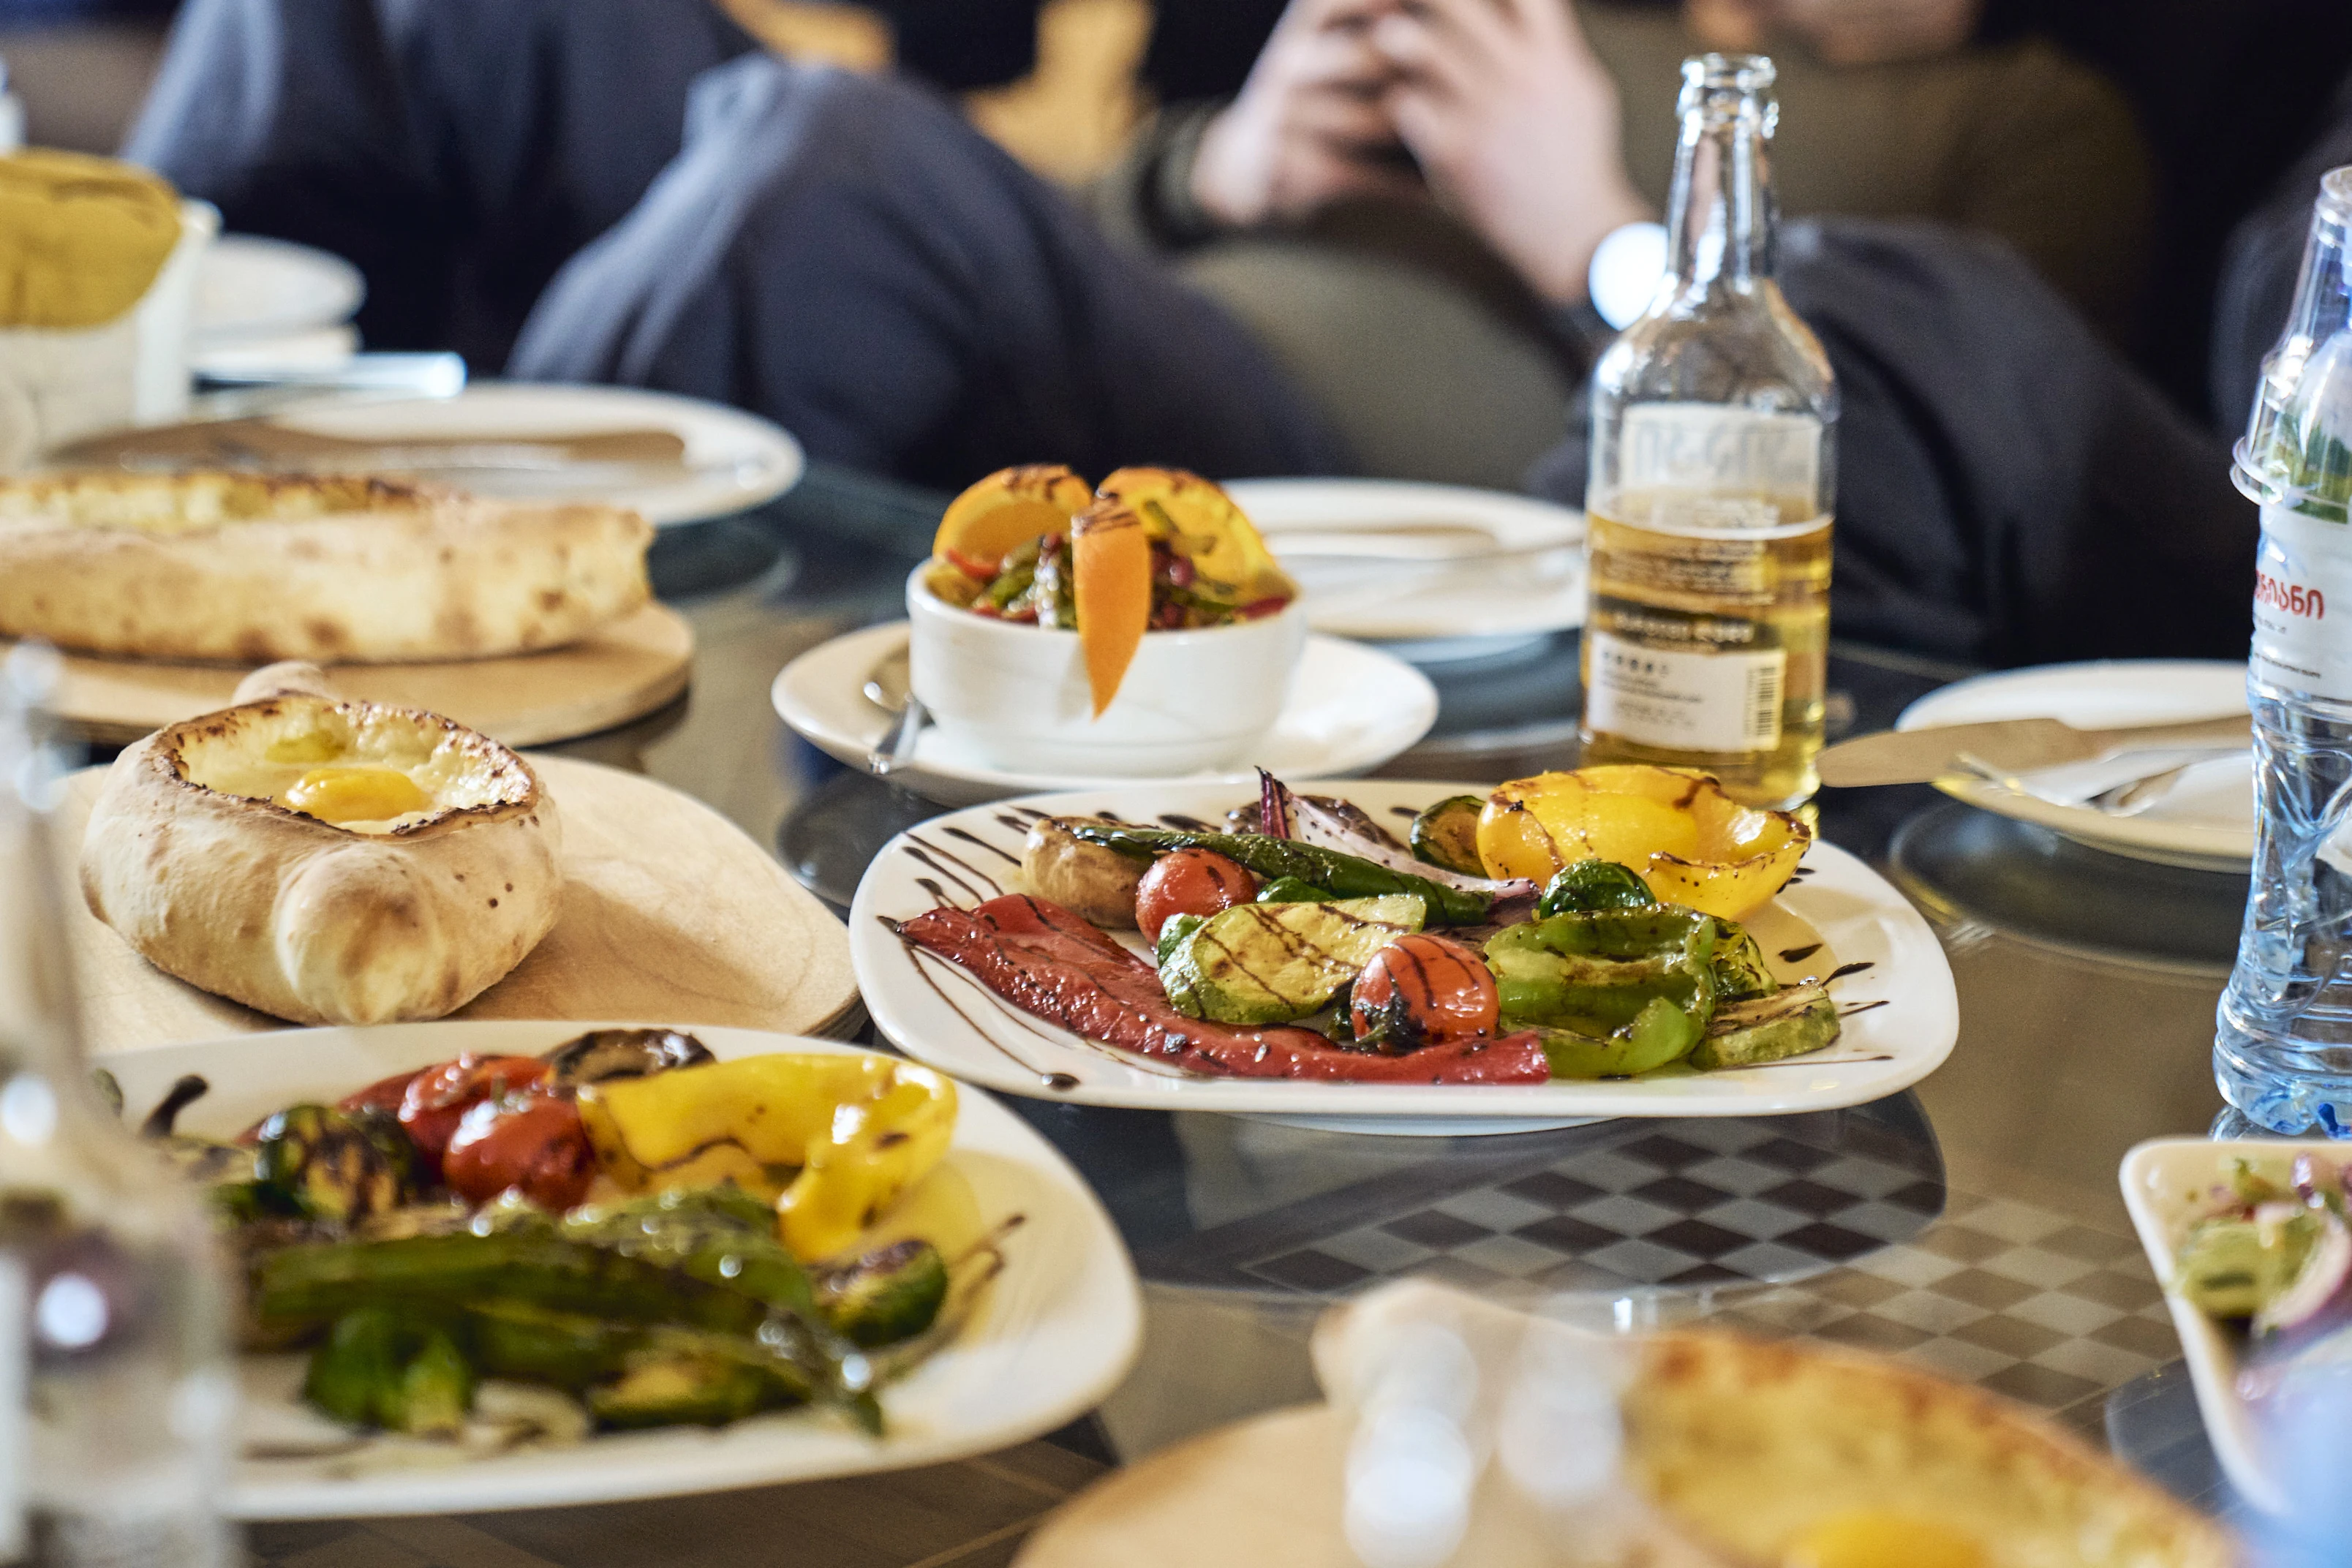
(1660, 1035)
(379, 1369)
(1594, 884)
(1291, 890)
(1594, 972)
(1343, 876)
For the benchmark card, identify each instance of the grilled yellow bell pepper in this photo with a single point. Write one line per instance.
(831, 1139)
(1692, 844)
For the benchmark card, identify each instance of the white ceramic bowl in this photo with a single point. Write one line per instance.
(1017, 694)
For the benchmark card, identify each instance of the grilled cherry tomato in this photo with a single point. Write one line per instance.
(1190, 883)
(1421, 991)
(384, 1094)
(437, 1098)
(533, 1143)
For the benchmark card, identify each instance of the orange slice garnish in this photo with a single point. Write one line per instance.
(1198, 521)
(1007, 511)
(1110, 554)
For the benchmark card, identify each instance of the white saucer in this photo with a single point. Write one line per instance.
(1450, 611)
(2205, 822)
(1351, 709)
(249, 287)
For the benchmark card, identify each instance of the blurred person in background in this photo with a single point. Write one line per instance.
(1406, 195)
(627, 190)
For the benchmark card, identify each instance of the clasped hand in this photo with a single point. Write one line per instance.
(1508, 119)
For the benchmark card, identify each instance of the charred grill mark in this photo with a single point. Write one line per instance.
(1798, 954)
(976, 841)
(930, 856)
(1842, 970)
(185, 1090)
(916, 953)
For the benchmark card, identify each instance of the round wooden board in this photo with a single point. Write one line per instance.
(622, 670)
(671, 915)
(1261, 1493)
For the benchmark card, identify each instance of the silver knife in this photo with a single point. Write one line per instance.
(2020, 745)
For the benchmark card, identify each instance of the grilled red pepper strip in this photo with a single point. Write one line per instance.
(1046, 961)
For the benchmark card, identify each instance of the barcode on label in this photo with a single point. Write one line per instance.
(1683, 699)
(1764, 705)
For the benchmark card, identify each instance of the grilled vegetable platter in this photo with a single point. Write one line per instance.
(2252, 1242)
(1623, 940)
(492, 1265)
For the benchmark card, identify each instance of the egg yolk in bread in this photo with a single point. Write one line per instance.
(1876, 1538)
(348, 794)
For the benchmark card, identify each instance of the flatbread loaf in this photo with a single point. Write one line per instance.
(251, 568)
(326, 862)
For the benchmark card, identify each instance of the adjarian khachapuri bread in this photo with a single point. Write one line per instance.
(249, 568)
(326, 862)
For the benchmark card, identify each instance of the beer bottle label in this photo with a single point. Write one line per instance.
(1713, 449)
(2302, 605)
(1684, 699)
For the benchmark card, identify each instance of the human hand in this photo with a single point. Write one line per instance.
(1515, 124)
(1308, 126)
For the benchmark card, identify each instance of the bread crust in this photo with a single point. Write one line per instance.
(1843, 1431)
(249, 569)
(312, 922)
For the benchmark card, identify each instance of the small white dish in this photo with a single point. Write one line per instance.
(1056, 1333)
(1016, 696)
(1902, 1011)
(249, 287)
(733, 461)
(1451, 611)
(1351, 709)
(2168, 1186)
(2205, 822)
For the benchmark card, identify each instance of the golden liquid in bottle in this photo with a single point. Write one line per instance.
(1692, 587)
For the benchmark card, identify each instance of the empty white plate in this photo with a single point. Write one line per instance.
(1368, 557)
(2205, 821)
(733, 460)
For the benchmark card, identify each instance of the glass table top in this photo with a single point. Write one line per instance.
(1972, 1225)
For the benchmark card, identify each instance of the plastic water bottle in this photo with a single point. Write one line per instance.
(2282, 1050)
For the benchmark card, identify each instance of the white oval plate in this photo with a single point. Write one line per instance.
(2166, 1182)
(937, 1013)
(251, 287)
(1351, 709)
(1520, 596)
(1056, 1333)
(2206, 821)
(733, 460)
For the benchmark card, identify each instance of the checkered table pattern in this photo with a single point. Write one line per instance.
(1694, 1202)
(1823, 1228)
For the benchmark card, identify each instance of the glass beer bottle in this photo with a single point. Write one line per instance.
(1713, 473)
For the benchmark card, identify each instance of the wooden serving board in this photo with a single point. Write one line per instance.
(671, 915)
(621, 671)
(1263, 1493)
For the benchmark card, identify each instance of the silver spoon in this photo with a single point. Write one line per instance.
(886, 688)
